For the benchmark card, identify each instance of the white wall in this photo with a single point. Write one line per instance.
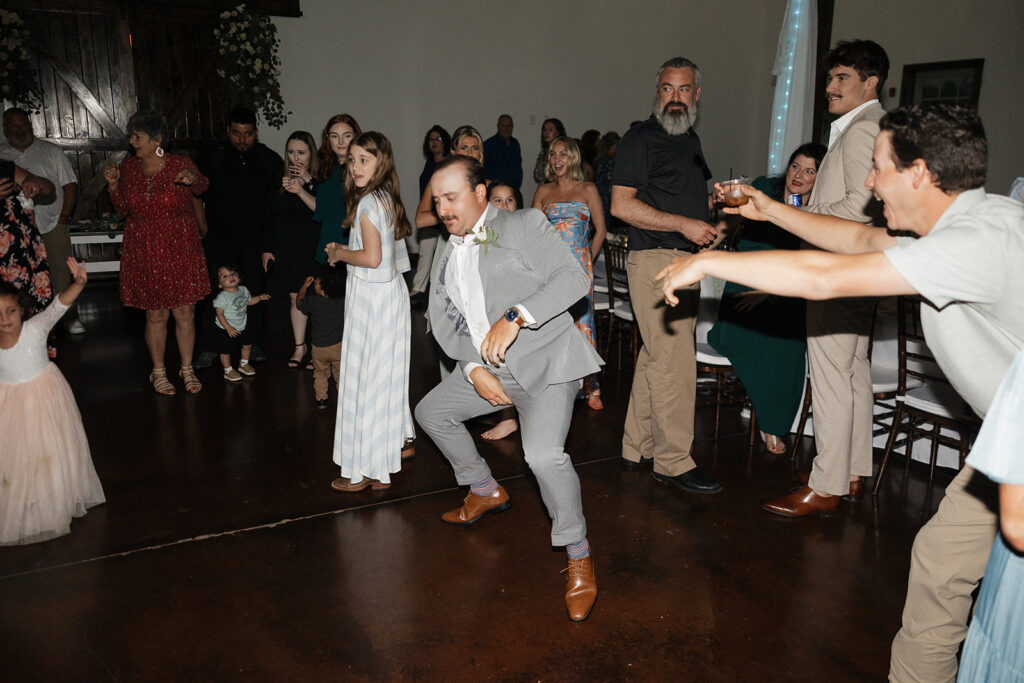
(916, 31)
(400, 67)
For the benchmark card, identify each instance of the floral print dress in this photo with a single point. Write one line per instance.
(22, 254)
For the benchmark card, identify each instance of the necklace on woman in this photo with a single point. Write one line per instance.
(149, 177)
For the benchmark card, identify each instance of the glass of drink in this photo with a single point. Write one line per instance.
(733, 194)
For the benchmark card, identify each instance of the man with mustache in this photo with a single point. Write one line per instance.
(839, 332)
(659, 189)
(498, 305)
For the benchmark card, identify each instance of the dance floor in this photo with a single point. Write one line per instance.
(223, 553)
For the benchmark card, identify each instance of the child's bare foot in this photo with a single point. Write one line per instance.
(501, 430)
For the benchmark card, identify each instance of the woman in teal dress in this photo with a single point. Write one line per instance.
(328, 205)
(763, 335)
(571, 205)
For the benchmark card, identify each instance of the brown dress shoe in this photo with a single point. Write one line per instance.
(856, 486)
(580, 588)
(802, 503)
(475, 507)
(345, 484)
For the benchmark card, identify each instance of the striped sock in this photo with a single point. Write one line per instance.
(484, 487)
(579, 550)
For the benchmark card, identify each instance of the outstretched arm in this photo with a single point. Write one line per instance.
(830, 233)
(79, 278)
(806, 274)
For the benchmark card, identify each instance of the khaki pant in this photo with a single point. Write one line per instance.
(838, 338)
(326, 362)
(58, 248)
(659, 420)
(946, 565)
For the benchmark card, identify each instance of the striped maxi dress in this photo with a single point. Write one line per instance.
(373, 417)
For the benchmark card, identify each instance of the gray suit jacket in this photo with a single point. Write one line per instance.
(530, 265)
(839, 189)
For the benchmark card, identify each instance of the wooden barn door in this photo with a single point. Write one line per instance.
(85, 70)
(98, 62)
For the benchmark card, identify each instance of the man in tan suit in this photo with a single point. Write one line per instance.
(839, 332)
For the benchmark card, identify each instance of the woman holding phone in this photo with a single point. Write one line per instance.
(290, 246)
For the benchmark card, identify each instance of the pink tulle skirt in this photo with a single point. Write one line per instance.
(46, 473)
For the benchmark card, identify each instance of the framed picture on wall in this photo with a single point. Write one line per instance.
(956, 82)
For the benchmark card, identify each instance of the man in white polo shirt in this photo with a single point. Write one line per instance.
(929, 169)
(46, 160)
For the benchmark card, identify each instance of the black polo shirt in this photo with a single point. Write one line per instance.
(669, 174)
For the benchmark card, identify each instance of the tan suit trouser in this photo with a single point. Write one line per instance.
(326, 362)
(659, 420)
(946, 565)
(838, 338)
(58, 248)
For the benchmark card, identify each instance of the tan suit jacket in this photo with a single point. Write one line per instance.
(839, 189)
(838, 331)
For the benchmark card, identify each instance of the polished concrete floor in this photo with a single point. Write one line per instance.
(223, 554)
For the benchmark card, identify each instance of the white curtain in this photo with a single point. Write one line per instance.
(793, 106)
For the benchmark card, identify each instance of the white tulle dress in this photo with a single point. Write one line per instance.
(46, 472)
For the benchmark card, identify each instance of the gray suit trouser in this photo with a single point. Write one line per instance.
(543, 424)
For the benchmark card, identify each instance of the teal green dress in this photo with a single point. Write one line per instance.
(766, 345)
(330, 212)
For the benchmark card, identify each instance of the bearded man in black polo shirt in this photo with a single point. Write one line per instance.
(660, 190)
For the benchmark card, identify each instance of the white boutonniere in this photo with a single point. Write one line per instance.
(486, 236)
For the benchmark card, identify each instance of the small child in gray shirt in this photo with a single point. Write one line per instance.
(325, 306)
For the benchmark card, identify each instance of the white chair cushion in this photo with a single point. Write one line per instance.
(939, 399)
(706, 355)
(885, 380)
(601, 300)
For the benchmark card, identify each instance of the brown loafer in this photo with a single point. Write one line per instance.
(580, 588)
(856, 486)
(802, 503)
(345, 484)
(475, 507)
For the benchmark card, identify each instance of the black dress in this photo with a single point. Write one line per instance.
(22, 254)
(293, 239)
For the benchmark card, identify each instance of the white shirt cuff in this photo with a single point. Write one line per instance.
(469, 368)
(530, 320)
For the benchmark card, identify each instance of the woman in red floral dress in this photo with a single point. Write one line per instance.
(162, 266)
(22, 254)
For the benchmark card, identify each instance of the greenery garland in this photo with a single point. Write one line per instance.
(19, 82)
(248, 65)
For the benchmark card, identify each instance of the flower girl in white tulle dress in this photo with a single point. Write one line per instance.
(46, 473)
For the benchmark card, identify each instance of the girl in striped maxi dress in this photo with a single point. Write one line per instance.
(374, 427)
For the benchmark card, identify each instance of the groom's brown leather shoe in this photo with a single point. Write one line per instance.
(801, 503)
(856, 486)
(580, 588)
(475, 507)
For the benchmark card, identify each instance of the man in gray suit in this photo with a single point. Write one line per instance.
(515, 270)
(839, 332)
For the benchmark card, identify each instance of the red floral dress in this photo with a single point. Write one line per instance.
(162, 263)
(22, 254)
